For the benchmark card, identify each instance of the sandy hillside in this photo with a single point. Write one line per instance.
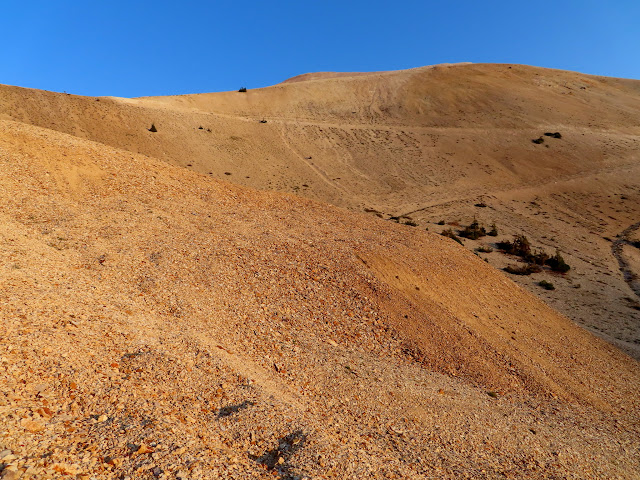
(421, 145)
(162, 324)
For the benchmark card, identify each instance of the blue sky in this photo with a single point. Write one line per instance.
(133, 48)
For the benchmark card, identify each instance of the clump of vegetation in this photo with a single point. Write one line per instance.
(519, 247)
(553, 134)
(526, 269)
(538, 258)
(450, 233)
(546, 285)
(484, 249)
(494, 231)
(441, 222)
(411, 223)
(153, 128)
(263, 121)
(473, 231)
(242, 89)
(557, 263)
(538, 141)
(481, 205)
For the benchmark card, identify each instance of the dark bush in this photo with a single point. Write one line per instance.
(538, 258)
(546, 285)
(153, 128)
(494, 231)
(242, 89)
(484, 249)
(557, 263)
(441, 222)
(526, 269)
(473, 231)
(553, 134)
(449, 233)
(411, 223)
(538, 141)
(504, 245)
(520, 246)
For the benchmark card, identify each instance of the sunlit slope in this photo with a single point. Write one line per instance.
(381, 140)
(430, 143)
(174, 305)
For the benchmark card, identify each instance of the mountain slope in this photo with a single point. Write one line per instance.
(424, 145)
(158, 321)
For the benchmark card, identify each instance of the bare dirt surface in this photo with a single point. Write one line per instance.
(160, 323)
(427, 144)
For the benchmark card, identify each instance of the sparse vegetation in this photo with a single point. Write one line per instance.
(411, 223)
(538, 258)
(484, 249)
(494, 231)
(522, 248)
(451, 234)
(538, 141)
(153, 128)
(473, 231)
(557, 263)
(242, 89)
(546, 285)
(519, 247)
(481, 205)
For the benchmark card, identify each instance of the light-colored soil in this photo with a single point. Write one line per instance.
(428, 143)
(159, 323)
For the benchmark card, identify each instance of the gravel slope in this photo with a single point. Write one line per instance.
(161, 324)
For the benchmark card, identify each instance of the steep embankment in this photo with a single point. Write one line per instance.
(426, 144)
(157, 321)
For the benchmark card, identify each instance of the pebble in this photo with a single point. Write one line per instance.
(31, 425)
(11, 474)
(144, 449)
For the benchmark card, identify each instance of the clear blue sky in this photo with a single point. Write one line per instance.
(134, 48)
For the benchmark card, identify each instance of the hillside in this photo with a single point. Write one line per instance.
(162, 323)
(421, 145)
